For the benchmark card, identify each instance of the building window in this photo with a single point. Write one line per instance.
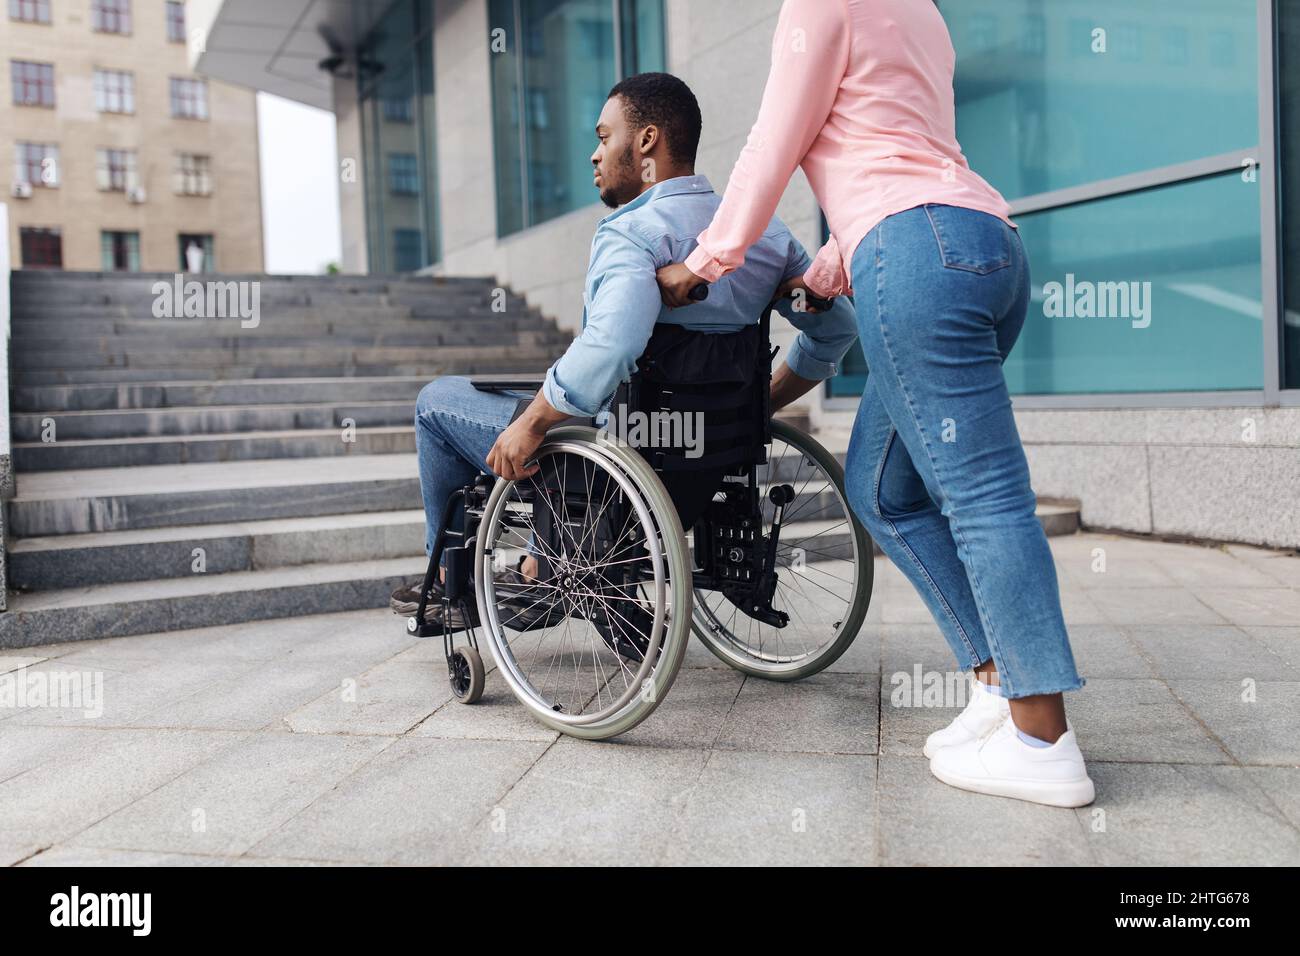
(398, 109)
(41, 248)
(175, 21)
(110, 16)
(406, 250)
(202, 254)
(549, 87)
(115, 169)
(119, 251)
(1288, 175)
(33, 83)
(1121, 151)
(403, 174)
(396, 99)
(189, 98)
(114, 91)
(30, 11)
(192, 175)
(36, 164)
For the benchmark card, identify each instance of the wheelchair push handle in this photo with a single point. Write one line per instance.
(818, 303)
(701, 292)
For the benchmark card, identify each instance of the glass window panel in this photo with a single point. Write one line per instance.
(32, 83)
(204, 241)
(642, 22)
(111, 16)
(398, 124)
(553, 62)
(1038, 109)
(36, 164)
(175, 21)
(31, 11)
(566, 87)
(41, 248)
(506, 145)
(1288, 46)
(1196, 327)
(189, 98)
(114, 91)
(119, 251)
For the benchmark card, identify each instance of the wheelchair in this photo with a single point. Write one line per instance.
(751, 546)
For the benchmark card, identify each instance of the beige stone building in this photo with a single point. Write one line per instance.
(116, 156)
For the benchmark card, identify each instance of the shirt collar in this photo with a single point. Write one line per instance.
(669, 187)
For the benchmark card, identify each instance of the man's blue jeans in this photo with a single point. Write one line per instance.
(935, 467)
(456, 426)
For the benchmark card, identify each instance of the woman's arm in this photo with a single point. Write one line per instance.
(809, 56)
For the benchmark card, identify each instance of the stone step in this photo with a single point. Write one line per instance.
(47, 335)
(116, 499)
(28, 427)
(35, 315)
(244, 392)
(189, 449)
(143, 607)
(484, 362)
(314, 355)
(114, 557)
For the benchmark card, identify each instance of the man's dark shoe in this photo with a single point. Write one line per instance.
(454, 619)
(406, 599)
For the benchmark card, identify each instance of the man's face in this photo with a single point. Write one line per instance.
(616, 172)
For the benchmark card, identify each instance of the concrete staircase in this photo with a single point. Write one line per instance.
(205, 473)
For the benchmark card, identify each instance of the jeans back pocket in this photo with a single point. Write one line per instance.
(970, 240)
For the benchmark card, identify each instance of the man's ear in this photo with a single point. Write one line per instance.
(649, 137)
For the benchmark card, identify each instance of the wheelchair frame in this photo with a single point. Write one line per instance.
(734, 554)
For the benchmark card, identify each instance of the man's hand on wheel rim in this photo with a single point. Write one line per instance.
(513, 448)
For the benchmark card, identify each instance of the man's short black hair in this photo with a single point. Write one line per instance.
(662, 100)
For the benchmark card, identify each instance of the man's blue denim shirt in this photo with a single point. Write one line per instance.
(621, 300)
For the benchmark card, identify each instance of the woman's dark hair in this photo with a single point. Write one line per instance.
(662, 100)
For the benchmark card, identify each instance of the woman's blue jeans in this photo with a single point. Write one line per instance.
(935, 467)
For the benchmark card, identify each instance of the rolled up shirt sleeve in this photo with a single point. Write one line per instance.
(622, 307)
(824, 337)
(810, 53)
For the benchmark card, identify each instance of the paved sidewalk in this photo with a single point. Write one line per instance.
(334, 739)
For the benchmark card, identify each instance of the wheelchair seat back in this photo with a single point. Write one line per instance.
(702, 401)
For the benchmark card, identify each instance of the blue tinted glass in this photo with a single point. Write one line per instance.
(553, 62)
(1154, 291)
(1288, 46)
(568, 68)
(643, 35)
(395, 80)
(1055, 93)
(506, 141)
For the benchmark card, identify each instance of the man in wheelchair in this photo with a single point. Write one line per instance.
(648, 132)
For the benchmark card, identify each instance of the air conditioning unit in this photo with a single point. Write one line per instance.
(136, 194)
(21, 190)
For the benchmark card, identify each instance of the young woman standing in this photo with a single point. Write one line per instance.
(860, 96)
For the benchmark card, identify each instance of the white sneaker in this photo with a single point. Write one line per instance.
(1001, 764)
(984, 711)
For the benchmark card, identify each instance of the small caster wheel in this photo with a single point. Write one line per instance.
(466, 674)
(410, 625)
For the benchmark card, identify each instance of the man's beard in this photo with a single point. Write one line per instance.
(610, 195)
